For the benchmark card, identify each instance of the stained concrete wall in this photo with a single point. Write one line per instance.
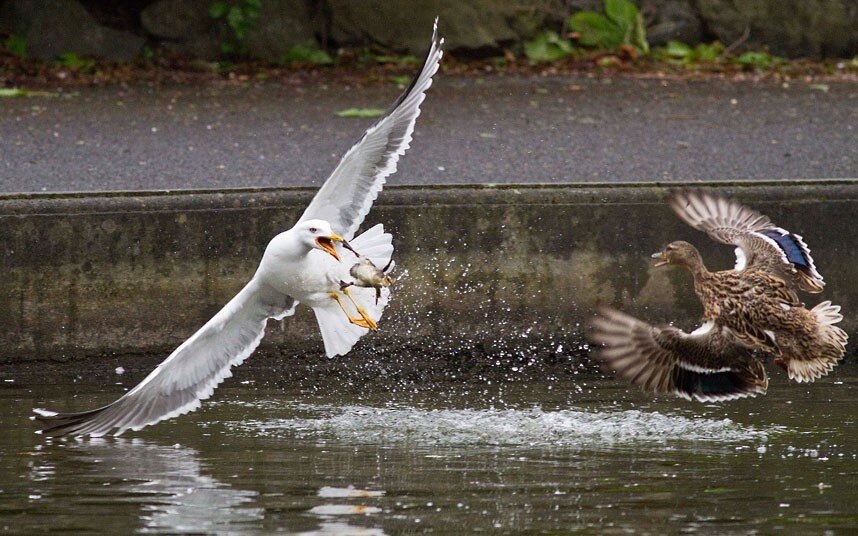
(499, 268)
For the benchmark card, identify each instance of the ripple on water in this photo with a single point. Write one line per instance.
(530, 427)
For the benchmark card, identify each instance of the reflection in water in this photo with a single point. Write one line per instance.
(331, 528)
(328, 512)
(177, 497)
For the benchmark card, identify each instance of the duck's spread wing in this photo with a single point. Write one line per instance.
(346, 197)
(189, 375)
(761, 244)
(705, 365)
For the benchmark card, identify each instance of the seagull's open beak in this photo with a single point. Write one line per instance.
(661, 259)
(326, 244)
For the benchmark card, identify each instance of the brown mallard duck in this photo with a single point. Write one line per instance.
(761, 311)
(706, 365)
(752, 307)
(760, 244)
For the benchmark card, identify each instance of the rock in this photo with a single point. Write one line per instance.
(787, 27)
(55, 27)
(185, 26)
(281, 25)
(480, 27)
(673, 20)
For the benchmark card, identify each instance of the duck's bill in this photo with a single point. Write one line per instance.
(660, 259)
(350, 248)
(326, 244)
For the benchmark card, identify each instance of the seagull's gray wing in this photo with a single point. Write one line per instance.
(706, 365)
(346, 197)
(189, 375)
(761, 244)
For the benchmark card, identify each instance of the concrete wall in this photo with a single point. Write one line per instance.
(503, 269)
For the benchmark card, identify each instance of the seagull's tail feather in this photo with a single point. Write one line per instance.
(339, 334)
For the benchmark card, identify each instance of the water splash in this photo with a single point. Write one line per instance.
(532, 427)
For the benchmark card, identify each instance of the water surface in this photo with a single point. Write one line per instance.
(551, 456)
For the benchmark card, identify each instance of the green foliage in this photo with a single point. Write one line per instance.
(400, 80)
(759, 61)
(241, 17)
(73, 62)
(361, 112)
(688, 55)
(307, 52)
(16, 44)
(399, 61)
(546, 47)
(622, 24)
(368, 57)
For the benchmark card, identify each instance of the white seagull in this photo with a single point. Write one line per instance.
(304, 264)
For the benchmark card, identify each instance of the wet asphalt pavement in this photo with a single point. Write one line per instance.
(492, 130)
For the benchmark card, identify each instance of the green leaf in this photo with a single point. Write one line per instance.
(361, 112)
(708, 52)
(400, 80)
(307, 52)
(13, 92)
(218, 10)
(72, 61)
(16, 44)
(678, 50)
(10, 92)
(400, 61)
(596, 30)
(757, 60)
(622, 12)
(547, 47)
(235, 19)
(638, 35)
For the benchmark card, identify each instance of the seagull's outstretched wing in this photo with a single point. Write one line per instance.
(189, 375)
(705, 365)
(761, 245)
(346, 197)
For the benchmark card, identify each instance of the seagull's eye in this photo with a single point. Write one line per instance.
(314, 230)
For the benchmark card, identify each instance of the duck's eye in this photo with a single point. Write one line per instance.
(314, 230)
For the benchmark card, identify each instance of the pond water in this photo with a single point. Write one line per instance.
(552, 456)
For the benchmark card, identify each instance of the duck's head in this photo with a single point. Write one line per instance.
(679, 252)
(318, 234)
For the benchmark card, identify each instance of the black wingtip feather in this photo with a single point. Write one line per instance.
(63, 424)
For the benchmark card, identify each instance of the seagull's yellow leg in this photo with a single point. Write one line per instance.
(359, 320)
(372, 325)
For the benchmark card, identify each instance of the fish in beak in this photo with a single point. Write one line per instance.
(661, 259)
(326, 244)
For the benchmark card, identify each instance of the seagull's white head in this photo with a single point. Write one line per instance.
(318, 234)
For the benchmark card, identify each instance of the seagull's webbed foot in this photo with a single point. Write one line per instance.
(363, 320)
(364, 315)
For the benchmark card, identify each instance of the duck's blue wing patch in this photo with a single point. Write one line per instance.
(791, 245)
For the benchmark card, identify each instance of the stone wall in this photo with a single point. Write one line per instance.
(119, 30)
(503, 268)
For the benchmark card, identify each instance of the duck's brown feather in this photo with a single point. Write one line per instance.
(706, 366)
(729, 222)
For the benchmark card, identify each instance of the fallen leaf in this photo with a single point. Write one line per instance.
(361, 112)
